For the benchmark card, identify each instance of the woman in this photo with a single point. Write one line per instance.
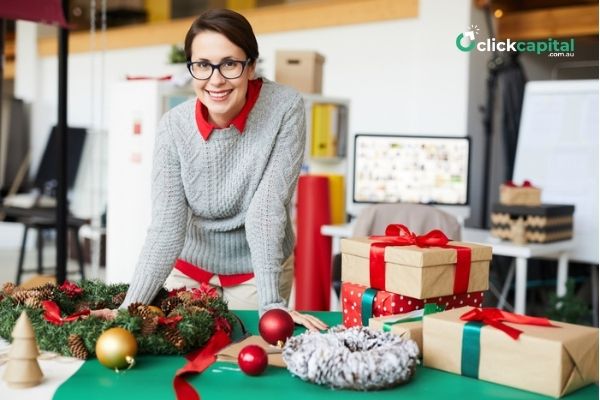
(225, 167)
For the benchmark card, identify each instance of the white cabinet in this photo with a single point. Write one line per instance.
(135, 109)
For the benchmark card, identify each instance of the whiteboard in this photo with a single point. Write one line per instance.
(558, 151)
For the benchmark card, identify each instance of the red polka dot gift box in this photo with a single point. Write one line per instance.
(359, 303)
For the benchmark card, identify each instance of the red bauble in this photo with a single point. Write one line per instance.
(276, 326)
(253, 360)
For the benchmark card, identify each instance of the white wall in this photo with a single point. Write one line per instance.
(402, 76)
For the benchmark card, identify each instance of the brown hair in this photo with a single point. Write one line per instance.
(232, 25)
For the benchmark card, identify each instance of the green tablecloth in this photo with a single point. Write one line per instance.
(152, 378)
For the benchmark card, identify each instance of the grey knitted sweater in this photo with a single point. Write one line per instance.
(221, 204)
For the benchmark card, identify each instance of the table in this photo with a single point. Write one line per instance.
(521, 253)
(152, 378)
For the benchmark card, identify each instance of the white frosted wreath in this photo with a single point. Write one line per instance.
(356, 358)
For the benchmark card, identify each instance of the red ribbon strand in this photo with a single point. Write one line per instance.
(52, 313)
(495, 317)
(198, 362)
(400, 235)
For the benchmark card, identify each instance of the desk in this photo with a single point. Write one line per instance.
(521, 253)
(337, 232)
(152, 378)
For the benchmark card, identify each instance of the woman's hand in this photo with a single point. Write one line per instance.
(310, 322)
(104, 313)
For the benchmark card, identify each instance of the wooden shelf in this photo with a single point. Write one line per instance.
(280, 18)
(9, 70)
(557, 22)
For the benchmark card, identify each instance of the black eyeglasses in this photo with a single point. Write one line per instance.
(229, 69)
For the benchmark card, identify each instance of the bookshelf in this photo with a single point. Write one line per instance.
(327, 120)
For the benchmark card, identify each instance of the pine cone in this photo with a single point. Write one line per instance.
(185, 297)
(8, 288)
(173, 336)
(98, 305)
(84, 305)
(45, 286)
(19, 296)
(34, 293)
(169, 304)
(118, 299)
(45, 292)
(134, 309)
(149, 325)
(77, 347)
(194, 309)
(33, 302)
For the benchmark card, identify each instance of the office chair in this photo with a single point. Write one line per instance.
(418, 218)
(41, 217)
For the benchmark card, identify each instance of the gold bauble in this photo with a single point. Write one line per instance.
(116, 348)
(156, 310)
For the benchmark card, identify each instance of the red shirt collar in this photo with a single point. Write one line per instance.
(239, 121)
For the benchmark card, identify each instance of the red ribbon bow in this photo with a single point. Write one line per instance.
(400, 235)
(526, 184)
(70, 289)
(495, 317)
(169, 321)
(52, 313)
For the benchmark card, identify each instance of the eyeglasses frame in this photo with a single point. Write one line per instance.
(218, 68)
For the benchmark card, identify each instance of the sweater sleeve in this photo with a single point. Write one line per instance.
(266, 217)
(166, 234)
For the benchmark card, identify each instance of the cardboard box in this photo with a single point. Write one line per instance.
(549, 360)
(540, 224)
(520, 196)
(386, 303)
(415, 271)
(302, 70)
(408, 330)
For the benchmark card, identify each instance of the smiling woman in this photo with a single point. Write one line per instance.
(224, 170)
(227, 44)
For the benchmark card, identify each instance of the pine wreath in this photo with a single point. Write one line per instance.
(181, 329)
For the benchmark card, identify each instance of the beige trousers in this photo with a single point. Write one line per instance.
(239, 297)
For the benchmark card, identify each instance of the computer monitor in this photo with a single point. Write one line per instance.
(410, 169)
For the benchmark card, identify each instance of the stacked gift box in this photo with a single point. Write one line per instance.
(384, 276)
(521, 217)
(541, 224)
(415, 294)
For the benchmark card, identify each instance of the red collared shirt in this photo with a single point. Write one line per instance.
(206, 128)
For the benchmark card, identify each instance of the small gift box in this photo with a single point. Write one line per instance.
(417, 266)
(541, 224)
(525, 195)
(359, 303)
(528, 353)
(408, 326)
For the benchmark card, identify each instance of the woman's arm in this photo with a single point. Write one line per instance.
(166, 234)
(267, 214)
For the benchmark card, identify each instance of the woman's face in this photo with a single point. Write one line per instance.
(224, 98)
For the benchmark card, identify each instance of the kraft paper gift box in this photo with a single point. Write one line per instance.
(359, 303)
(407, 326)
(512, 195)
(552, 361)
(418, 272)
